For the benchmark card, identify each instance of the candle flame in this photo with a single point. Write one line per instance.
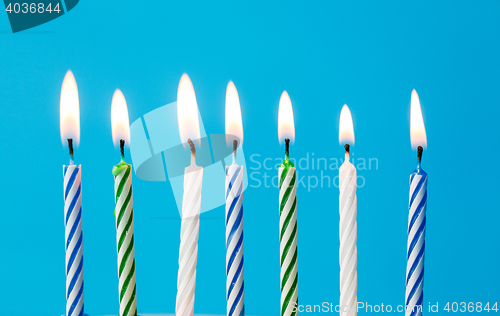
(417, 127)
(69, 110)
(120, 124)
(346, 129)
(286, 124)
(234, 125)
(187, 111)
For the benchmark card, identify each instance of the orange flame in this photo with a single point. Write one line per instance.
(234, 125)
(417, 127)
(120, 124)
(187, 111)
(69, 110)
(286, 124)
(346, 129)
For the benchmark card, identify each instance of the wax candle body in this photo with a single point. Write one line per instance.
(348, 236)
(188, 253)
(235, 294)
(73, 239)
(416, 242)
(125, 238)
(288, 238)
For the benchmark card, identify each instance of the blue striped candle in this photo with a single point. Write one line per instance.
(234, 241)
(74, 239)
(416, 240)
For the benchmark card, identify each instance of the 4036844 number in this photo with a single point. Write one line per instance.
(32, 8)
(470, 307)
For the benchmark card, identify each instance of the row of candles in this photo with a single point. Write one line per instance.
(187, 111)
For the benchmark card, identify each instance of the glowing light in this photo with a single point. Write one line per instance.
(234, 125)
(120, 123)
(346, 129)
(286, 124)
(417, 127)
(187, 111)
(69, 110)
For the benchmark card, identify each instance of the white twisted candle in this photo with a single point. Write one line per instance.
(234, 241)
(74, 239)
(188, 253)
(348, 235)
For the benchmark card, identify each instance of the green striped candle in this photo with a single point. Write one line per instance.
(124, 213)
(288, 236)
(125, 236)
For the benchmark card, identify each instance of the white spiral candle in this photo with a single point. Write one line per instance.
(74, 239)
(234, 241)
(348, 235)
(188, 253)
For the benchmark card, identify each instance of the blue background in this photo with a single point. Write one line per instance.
(368, 54)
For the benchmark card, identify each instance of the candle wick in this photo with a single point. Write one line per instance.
(420, 151)
(191, 146)
(70, 145)
(347, 151)
(287, 146)
(235, 146)
(122, 148)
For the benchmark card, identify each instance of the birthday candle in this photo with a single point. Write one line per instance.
(70, 129)
(187, 112)
(235, 292)
(124, 213)
(416, 217)
(288, 212)
(348, 252)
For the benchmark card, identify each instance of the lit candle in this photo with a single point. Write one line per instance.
(416, 216)
(189, 129)
(348, 253)
(70, 130)
(288, 211)
(235, 293)
(124, 213)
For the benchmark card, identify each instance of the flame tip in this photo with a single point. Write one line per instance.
(346, 127)
(187, 110)
(233, 120)
(69, 108)
(120, 123)
(418, 134)
(286, 122)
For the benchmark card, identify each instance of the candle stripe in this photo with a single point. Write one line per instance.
(235, 285)
(73, 240)
(416, 242)
(288, 238)
(125, 239)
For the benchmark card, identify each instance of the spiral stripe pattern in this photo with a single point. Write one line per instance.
(234, 241)
(73, 239)
(125, 239)
(188, 253)
(288, 239)
(348, 253)
(416, 243)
